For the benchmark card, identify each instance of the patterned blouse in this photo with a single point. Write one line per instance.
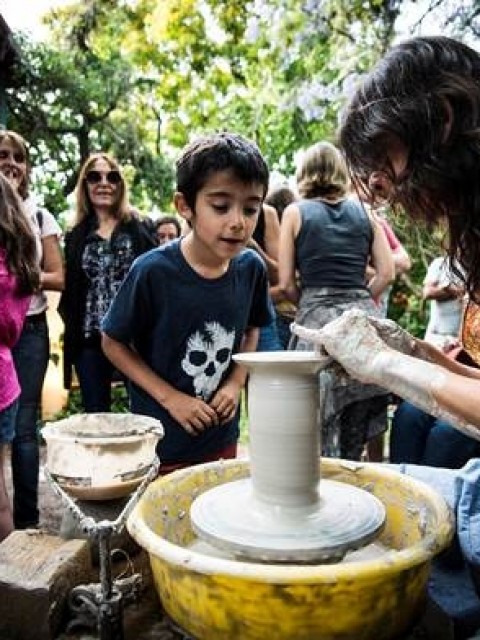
(106, 263)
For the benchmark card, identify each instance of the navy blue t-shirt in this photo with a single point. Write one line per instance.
(186, 328)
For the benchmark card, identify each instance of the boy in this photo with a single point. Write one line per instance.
(187, 307)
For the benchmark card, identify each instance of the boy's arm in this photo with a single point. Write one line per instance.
(193, 414)
(226, 399)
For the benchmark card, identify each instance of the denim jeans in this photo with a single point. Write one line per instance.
(95, 374)
(7, 423)
(418, 438)
(268, 339)
(283, 330)
(30, 354)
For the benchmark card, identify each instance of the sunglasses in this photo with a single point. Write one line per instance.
(95, 177)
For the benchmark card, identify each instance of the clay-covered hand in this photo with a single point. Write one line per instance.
(352, 341)
(400, 340)
(394, 336)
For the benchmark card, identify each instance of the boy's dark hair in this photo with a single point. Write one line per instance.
(219, 152)
(168, 220)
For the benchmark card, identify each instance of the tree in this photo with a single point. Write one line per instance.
(140, 78)
(71, 100)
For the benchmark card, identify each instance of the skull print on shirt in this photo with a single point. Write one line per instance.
(207, 358)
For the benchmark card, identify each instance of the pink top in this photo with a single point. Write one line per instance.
(393, 241)
(13, 310)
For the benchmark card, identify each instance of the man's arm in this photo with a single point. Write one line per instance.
(441, 292)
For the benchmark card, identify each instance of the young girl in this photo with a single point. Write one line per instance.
(19, 278)
(32, 351)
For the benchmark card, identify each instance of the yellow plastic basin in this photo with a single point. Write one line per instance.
(220, 599)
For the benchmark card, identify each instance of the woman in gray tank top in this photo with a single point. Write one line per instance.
(326, 242)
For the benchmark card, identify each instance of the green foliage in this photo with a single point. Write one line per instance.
(408, 309)
(74, 403)
(243, 421)
(69, 102)
(140, 78)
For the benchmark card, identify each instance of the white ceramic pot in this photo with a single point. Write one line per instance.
(100, 456)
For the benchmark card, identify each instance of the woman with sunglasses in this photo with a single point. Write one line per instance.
(106, 238)
(32, 351)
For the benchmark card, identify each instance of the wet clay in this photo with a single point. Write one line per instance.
(380, 352)
(288, 515)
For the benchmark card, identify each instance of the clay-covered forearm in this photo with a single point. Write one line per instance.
(432, 388)
(431, 353)
(380, 352)
(459, 397)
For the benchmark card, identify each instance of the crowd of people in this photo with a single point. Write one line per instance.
(164, 306)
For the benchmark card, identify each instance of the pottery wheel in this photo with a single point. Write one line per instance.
(231, 518)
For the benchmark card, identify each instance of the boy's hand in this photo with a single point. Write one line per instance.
(193, 414)
(225, 401)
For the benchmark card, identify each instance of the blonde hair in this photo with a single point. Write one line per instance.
(323, 173)
(122, 210)
(19, 144)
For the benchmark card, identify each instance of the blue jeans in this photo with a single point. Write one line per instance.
(268, 339)
(418, 438)
(30, 354)
(461, 490)
(283, 330)
(7, 422)
(95, 374)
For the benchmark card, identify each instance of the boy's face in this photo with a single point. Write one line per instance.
(226, 212)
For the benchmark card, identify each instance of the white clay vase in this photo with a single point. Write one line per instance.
(282, 512)
(284, 435)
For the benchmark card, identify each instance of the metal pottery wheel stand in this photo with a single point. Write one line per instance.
(100, 605)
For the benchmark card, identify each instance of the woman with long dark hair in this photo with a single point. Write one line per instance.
(411, 133)
(19, 279)
(32, 351)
